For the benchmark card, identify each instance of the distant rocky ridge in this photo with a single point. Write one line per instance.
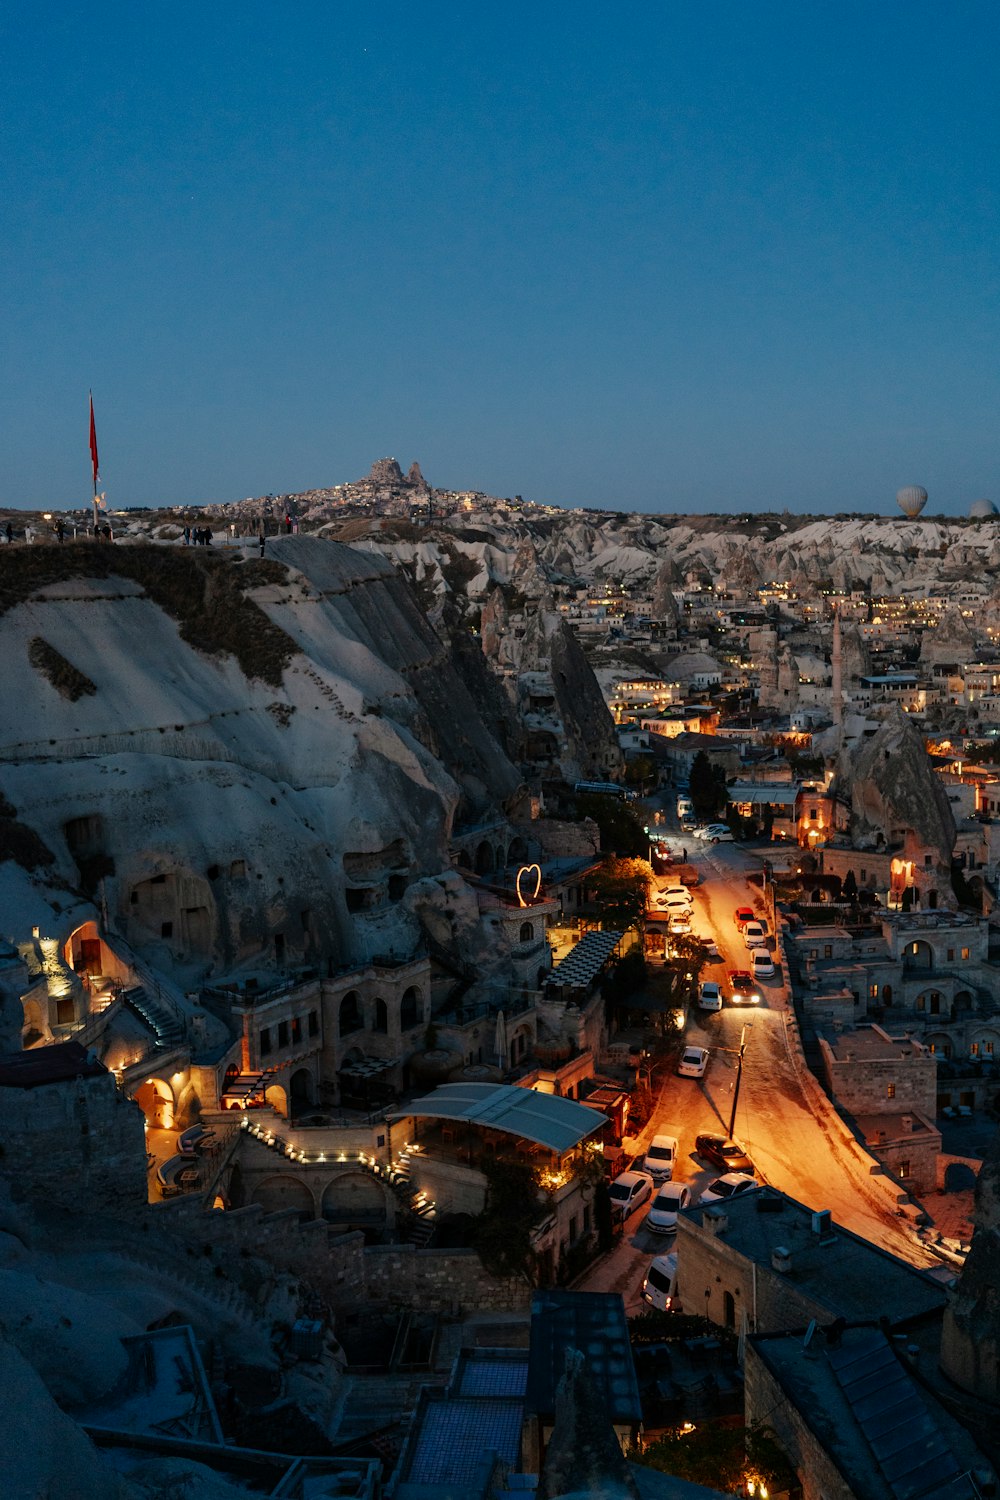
(531, 547)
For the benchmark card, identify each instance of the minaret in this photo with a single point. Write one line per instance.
(838, 683)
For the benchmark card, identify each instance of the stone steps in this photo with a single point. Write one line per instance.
(161, 1022)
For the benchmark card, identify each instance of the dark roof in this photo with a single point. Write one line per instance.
(888, 1436)
(906, 1443)
(831, 1266)
(595, 1324)
(59, 1063)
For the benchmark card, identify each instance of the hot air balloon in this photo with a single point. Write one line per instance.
(981, 510)
(911, 500)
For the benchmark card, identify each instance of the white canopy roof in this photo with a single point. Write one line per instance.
(558, 1124)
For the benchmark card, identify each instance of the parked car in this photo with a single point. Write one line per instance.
(710, 995)
(659, 1285)
(728, 1186)
(728, 1155)
(676, 893)
(694, 1061)
(660, 1156)
(761, 964)
(753, 935)
(668, 1203)
(627, 1192)
(744, 989)
(679, 923)
(744, 914)
(720, 836)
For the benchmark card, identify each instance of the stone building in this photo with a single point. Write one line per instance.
(970, 1345)
(855, 1418)
(69, 1136)
(927, 973)
(769, 1263)
(887, 1085)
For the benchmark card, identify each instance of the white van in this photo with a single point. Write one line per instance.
(660, 1156)
(659, 1285)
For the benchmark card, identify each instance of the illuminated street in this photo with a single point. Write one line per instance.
(789, 1128)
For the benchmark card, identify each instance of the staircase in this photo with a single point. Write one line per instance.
(160, 1019)
(419, 1212)
(249, 1086)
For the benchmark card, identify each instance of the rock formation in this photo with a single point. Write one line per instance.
(385, 471)
(218, 808)
(583, 1456)
(897, 802)
(493, 624)
(664, 605)
(953, 642)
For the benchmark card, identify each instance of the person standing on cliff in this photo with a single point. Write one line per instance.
(9, 533)
(261, 540)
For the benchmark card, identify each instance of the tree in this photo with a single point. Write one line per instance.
(621, 831)
(621, 890)
(502, 1232)
(723, 1458)
(690, 955)
(708, 786)
(849, 889)
(641, 771)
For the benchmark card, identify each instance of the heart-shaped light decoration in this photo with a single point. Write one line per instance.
(526, 870)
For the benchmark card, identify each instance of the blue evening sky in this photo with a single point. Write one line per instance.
(678, 256)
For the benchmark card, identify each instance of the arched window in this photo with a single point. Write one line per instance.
(381, 1015)
(527, 932)
(351, 1018)
(411, 1010)
(729, 1309)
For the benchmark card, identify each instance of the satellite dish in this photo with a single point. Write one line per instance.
(911, 500)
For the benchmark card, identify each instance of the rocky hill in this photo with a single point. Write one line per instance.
(286, 747)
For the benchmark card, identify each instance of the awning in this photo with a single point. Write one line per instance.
(365, 1067)
(558, 1124)
(585, 959)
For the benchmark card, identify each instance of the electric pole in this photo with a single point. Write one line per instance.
(739, 1075)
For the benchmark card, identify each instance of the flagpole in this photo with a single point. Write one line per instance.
(93, 460)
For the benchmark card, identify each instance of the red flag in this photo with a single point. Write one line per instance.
(93, 440)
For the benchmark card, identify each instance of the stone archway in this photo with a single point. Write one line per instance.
(411, 1008)
(277, 1098)
(355, 1198)
(958, 1177)
(918, 955)
(301, 1093)
(155, 1098)
(281, 1191)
